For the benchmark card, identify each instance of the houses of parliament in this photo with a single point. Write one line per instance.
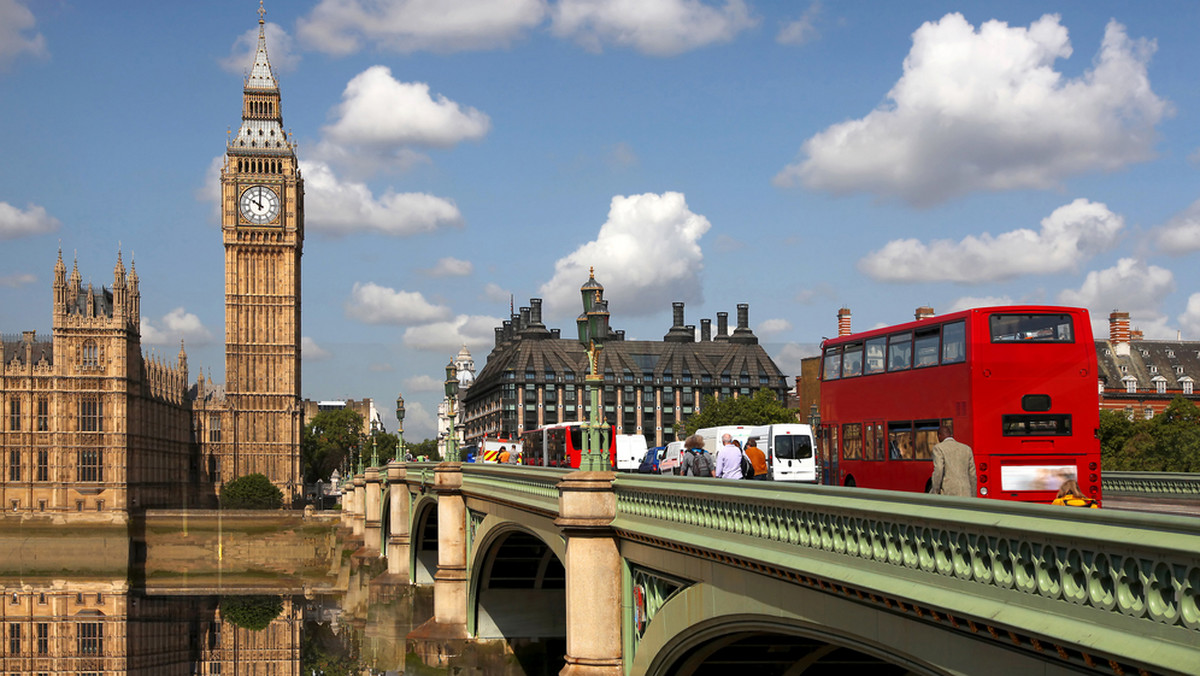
(91, 428)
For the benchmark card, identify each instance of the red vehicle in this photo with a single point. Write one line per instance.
(1018, 384)
(561, 445)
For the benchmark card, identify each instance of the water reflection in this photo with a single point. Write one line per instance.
(351, 626)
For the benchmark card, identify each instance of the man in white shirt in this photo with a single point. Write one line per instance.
(729, 459)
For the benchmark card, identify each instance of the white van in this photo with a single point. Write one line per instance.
(631, 450)
(670, 458)
(788, 447)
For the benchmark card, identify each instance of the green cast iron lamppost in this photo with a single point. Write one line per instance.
(400, 454)
(593, 331)
(451, 395)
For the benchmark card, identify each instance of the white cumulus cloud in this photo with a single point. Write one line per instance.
(451, 267)
(789, 355)
(770, 327)
(984, 109)
(1189, 321)
(338, 207)
(32, 220)
(17, 279)
(374, 304)
(449, 336)
(422, 383)
(494, 293)
(655, 27)
(341, 26)
(310, 351)
(968, 302)
(280, 48)
(802, 30)
(1181, 234)
(647, 254)
(174, 326)
(17, 35)
(1132, 285)
(378, 110)
(1071, 234)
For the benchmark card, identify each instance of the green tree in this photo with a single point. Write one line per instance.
(328, 439)
(1115, 430)
(1176, 433)
(1168, 442)
(763, 408)
(381, 445)
(251, 612)
(253, 491)
(428, 448)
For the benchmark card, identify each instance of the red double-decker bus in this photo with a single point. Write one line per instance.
(561, 445)
(1017, 384)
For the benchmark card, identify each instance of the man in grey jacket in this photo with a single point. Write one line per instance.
(953, 466)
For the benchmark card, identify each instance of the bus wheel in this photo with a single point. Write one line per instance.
(850, 482)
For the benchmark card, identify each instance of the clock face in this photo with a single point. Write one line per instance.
(259, 205)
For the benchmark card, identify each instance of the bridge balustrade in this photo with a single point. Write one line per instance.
(1098, 590)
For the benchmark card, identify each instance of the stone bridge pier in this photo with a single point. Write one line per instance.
(443, 636)
(372, 514)
(398, 568)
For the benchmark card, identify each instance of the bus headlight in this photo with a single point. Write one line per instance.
(983, 490)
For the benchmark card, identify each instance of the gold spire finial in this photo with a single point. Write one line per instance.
(262, 12)
(591, 271)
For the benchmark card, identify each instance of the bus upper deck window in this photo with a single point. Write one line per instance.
(899, 351)
(852, 360)
(833, 364)
(926, 348)
(874, 355)
(954, 343)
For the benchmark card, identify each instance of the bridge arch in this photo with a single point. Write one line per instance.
(423, 534)
(518, 581)
(705, 625)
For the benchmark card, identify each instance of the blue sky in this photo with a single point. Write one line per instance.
(796, 156)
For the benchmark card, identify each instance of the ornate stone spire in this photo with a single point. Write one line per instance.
(261, 76)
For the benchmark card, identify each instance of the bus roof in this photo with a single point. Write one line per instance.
(952, 316)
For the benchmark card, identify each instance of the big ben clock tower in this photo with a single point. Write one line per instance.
(262, 225)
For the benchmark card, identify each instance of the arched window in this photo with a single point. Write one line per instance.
(89, 355)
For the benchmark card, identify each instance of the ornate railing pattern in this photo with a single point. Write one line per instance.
(1165, 485)
(1140, 566)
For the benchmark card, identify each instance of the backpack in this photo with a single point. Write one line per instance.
(702, 464)
(747, 467)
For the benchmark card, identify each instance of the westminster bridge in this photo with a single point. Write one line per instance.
(651, 575)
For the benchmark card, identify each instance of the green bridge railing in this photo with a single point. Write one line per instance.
(1162, 485)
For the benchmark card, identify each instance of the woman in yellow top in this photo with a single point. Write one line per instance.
(1070, 494)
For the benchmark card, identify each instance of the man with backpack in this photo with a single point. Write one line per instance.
(695, 461)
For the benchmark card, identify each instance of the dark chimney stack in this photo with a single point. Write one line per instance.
(705, 330)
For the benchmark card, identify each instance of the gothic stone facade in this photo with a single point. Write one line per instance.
(92, 426)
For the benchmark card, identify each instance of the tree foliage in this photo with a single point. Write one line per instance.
(1168, 442)
(251, 612)
(327, 440)
(427, 447)
(253, 491)
(763, 408)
